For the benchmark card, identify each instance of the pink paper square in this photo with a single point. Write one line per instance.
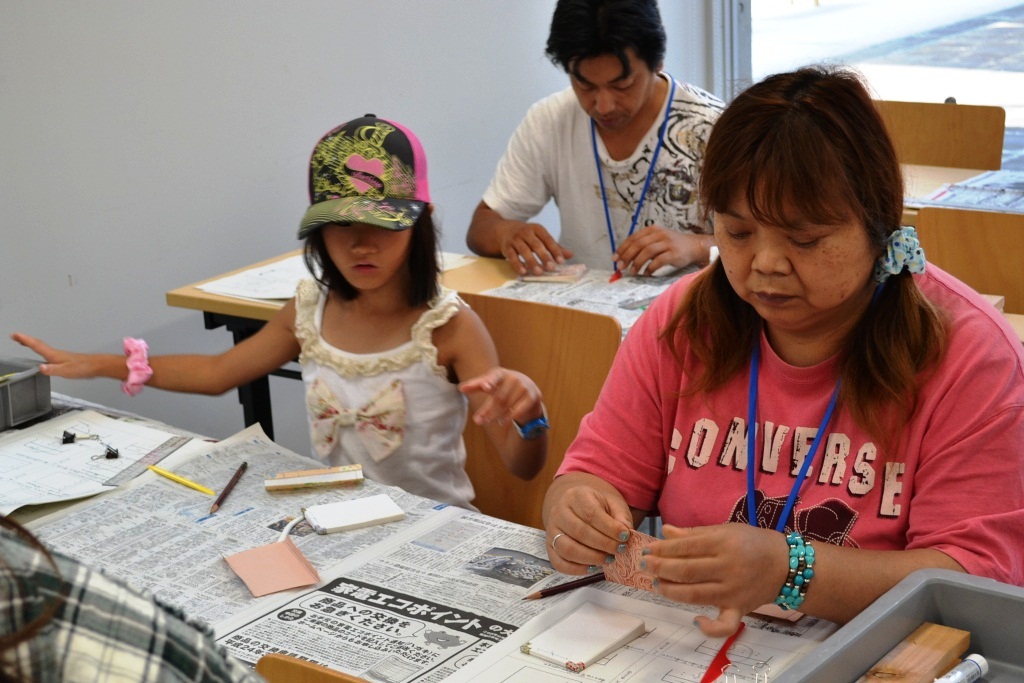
(273, 567)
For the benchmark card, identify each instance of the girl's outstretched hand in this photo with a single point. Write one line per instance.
(59, 363)
(510, 395)
(734, 567)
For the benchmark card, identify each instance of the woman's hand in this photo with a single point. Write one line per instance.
(735, 567)
(510, 395)
(587, 522)
(60, 363)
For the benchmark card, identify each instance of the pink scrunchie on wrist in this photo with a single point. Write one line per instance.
(139, 371)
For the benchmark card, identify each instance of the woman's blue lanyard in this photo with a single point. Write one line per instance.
(751, 456)
(650, 171)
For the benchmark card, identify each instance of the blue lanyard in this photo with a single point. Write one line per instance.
(752, 428)
(650, 171)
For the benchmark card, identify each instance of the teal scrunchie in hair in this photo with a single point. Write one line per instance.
(902, 250)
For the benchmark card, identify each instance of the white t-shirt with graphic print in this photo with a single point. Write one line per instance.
(551, 156)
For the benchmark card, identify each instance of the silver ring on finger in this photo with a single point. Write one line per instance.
(555, 540)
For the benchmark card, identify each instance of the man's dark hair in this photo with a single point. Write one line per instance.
(581, 29)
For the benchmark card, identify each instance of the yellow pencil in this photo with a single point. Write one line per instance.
(180, 480)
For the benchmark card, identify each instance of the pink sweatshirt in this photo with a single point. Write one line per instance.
(955, 482)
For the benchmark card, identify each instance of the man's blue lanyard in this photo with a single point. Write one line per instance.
(751, 456)
(650, 171)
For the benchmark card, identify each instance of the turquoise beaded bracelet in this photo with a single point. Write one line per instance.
(801, 571)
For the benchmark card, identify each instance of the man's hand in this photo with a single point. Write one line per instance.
(529, 247)
(657, 247)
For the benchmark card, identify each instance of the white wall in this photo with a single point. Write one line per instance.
(144, 146)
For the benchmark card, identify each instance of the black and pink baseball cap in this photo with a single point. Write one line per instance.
(368, 170)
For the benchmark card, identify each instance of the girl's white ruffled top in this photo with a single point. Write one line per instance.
(395, 413)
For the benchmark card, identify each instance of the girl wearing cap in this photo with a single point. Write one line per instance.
(389, 358)
(817, 414)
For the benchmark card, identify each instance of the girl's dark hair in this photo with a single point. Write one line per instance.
(581, 29)
(812, 143)
(424, 268)
(10, 671)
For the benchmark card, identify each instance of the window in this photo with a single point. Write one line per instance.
(907, 50)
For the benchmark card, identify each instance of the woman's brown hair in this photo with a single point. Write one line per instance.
(810, 143)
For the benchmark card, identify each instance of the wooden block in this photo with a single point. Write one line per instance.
(996, 300)
(925, 654)
(1016, 321)
(326, 477)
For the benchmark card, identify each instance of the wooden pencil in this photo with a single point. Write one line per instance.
(227, 489)
(567, 586)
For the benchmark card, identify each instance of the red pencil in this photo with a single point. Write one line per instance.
(567, 586)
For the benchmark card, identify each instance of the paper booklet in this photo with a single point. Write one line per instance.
(584, 636)
(567, 272)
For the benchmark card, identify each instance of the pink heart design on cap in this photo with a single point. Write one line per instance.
(362, 165)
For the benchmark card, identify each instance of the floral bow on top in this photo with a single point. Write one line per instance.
(379, 424)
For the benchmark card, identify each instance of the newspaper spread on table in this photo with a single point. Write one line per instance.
(625, 299)
(409, 601)
(424, 607)
(989, 191)
(160, 536)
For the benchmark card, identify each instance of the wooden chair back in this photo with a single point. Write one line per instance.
(278, 668)
(568, 353)
(984, 249)
(957, 135)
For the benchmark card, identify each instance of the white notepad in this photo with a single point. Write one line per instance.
(353, 514)
(584, 636)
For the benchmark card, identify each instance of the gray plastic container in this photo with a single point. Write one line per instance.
(993, 612)
(22, 398)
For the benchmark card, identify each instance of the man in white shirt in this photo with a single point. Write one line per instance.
(619, 151)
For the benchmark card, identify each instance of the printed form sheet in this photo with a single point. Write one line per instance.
(36, 468)
(277, 281)
(672, 650)
(274, 281)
